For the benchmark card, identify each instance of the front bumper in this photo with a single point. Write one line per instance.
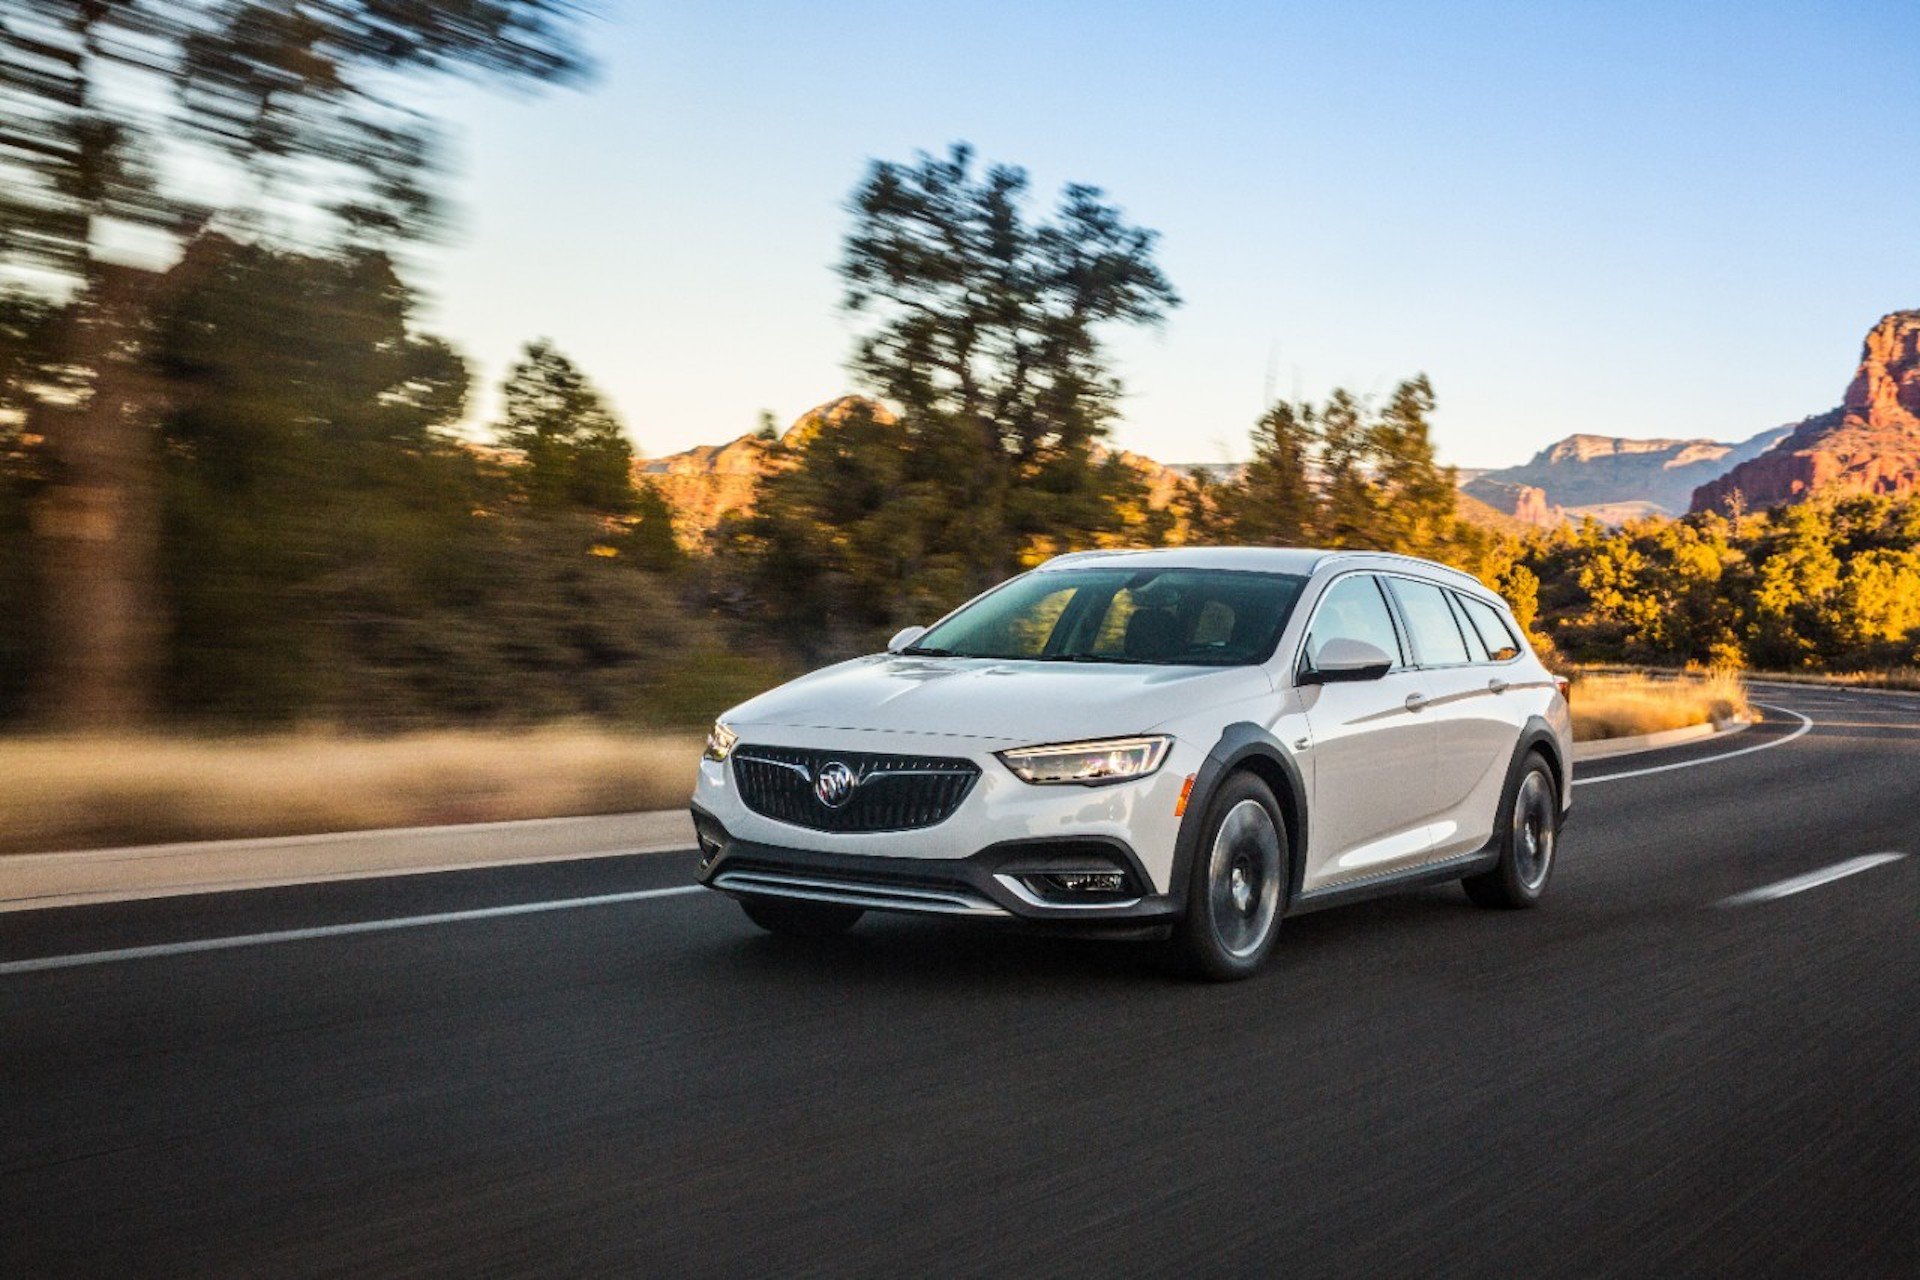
(1006, 882)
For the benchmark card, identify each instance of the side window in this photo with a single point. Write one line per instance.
(1354, 609)
(1476, 647)
(1430, 624)
(1494, 630)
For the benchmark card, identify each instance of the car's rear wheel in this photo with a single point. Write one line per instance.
(796, 919)
(1530, 839)
(1238, 883)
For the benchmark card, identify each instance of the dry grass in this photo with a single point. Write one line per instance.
(1620, 706)
(70, 793)
(1905, 678)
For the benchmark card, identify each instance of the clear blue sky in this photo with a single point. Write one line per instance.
(1659, 219)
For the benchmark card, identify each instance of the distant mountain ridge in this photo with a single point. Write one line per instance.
(1870, 443)
(1612, 478)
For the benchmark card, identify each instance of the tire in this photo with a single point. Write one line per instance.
(794, 919)
(1529, 839)
(1237, 886)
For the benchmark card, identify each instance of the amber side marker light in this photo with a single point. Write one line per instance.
(1186, 793)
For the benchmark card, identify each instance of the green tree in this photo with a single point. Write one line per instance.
(576, 455)
(1275, 501)
(986, 339)
(986, 333)
(1349, 501)
(296, 100)
(302, 447)
(1415, 511)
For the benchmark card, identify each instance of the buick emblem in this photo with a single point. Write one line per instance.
(833, 785)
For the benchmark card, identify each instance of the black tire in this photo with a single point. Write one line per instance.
(1529, 839)
(1237, 886)
(791, 918)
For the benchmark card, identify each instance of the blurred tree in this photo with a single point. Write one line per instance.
(986, 336)
(301, 100)
(1348, 499)
(576, 454)
(300, 444)
(1415, 512)
(1275, 501)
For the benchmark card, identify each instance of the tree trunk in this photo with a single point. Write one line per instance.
(96, 527)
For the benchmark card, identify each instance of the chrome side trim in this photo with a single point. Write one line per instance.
(852, 893)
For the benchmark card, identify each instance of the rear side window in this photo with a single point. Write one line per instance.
(1476, 647)
(1436, 637)
(1354, 609)
(1495, 632)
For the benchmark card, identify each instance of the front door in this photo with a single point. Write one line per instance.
(1372, 748)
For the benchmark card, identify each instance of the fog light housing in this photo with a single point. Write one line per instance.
(1086, 881)
(1074, 886)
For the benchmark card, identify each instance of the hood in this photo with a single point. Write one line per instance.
(1007, 702)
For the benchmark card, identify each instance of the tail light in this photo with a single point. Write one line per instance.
(1565, 686)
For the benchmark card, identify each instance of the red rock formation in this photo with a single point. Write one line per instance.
(1524, 502)
(1870, 444)
(709, 481)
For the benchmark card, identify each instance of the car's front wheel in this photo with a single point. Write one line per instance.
(1238, 883)
(1529, 838)
(798, 919)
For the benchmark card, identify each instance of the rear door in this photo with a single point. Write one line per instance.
(1372, 751)
(1473, 732)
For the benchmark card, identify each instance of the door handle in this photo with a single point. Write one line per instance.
(1497, 685)
(1416, 701)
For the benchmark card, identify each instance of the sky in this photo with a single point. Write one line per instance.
(1671, 219)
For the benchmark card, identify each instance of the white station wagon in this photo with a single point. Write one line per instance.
(1193, 743)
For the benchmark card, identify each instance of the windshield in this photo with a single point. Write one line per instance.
(1166, 617)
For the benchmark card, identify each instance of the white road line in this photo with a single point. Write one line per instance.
(43, 963)
(1805, 725)
(1811, 880)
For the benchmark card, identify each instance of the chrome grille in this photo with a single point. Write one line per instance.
(893, 793)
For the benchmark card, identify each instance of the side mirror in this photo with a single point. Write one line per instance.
(1343, 660)
(904, 637)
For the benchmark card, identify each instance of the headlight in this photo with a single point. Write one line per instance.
(1088, 763)
(720, 740)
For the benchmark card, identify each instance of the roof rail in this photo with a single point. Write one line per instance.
(1416, 561)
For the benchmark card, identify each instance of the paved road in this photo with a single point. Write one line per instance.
(1634, 1081)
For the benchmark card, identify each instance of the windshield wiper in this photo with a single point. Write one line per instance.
(1100, 657)
(917, 652)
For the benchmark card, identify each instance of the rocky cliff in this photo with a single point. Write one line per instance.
(1611, 478)
(1869, 444)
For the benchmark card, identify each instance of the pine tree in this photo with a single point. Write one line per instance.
(576, 455)
(1275, 501)
(1350, 508)
(1418, 501)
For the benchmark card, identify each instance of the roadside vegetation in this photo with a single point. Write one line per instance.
(101, 791)
(240, 493)
(1627, 705)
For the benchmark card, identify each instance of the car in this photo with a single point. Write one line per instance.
(1188, 743)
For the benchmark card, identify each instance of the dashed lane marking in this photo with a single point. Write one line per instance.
(1811, 880)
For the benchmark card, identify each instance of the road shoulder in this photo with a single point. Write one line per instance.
(32, 881)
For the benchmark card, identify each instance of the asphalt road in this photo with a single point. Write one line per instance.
(1640, 1079)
